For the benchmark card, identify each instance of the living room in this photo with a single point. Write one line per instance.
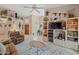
(39, 29)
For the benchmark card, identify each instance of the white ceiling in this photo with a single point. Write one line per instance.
(19, 8)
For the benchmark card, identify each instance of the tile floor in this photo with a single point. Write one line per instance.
(50, 49)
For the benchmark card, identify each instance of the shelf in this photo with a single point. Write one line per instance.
(44, 25)
(50, 37)
(50, 29)
(72, 30)
(50, 33)
(72, 24)
(73, 18)
(72, 37)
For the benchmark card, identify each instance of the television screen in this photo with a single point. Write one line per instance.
(55, 25)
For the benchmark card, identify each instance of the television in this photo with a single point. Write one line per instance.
(55, 25)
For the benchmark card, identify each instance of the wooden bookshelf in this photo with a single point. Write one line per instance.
(72, 29)
(45, 29)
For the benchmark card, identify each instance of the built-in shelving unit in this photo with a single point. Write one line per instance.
(50, 35)
(64, 34)
(72, 29)
(45, 29)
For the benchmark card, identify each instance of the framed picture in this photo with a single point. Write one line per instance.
(71, 13)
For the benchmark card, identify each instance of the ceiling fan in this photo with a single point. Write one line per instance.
(34, 7)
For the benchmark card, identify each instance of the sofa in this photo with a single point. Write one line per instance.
(16, 37)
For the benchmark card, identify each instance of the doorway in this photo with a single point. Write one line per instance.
(27, 29)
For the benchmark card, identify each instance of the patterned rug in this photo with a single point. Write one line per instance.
(24, 48)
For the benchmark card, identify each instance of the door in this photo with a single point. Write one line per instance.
(27, 29)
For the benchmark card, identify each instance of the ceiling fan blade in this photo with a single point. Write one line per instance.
(27, 7)
(37, 10)
(39, 7)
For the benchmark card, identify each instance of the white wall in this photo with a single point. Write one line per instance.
(17, 21)
(64, 9)
(35, 23)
